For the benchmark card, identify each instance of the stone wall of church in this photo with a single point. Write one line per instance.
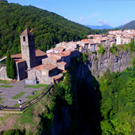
(21, 67)
(39, 60)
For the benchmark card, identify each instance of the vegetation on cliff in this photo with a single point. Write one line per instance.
(126, 47)
(117, 104)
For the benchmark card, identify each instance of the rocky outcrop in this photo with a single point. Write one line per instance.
(115, 62)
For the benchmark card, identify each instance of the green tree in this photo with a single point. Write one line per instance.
(14, 132)
(12, 69)
(84, 57)
(8, 59)
(113, 49)
(101, 49)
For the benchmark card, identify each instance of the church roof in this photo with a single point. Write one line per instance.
(18, 57)
(38, 67)
(40, 53)
(49, 66)
(26, 32)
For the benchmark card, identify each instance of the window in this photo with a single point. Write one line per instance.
(24, 38)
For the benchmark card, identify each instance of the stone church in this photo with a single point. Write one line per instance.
(29, 57)
(36, 66)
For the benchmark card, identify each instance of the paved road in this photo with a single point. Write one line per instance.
(8, 93)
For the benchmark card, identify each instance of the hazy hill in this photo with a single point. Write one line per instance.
(130, 25)
(49, 28)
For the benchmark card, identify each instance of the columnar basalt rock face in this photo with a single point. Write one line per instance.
(115, 62)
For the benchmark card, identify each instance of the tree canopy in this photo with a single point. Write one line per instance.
(117, 104)
(48, 27)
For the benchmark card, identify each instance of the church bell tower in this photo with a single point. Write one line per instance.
(28, 48)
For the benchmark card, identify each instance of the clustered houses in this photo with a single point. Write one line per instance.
(47, 68)
(123, 37)
(117, 37)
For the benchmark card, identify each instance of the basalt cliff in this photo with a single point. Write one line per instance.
(114, 62)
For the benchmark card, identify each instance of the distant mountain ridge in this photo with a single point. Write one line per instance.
(130, 25)
(99, 27)
(102, 27)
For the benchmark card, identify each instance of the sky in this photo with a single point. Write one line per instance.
(88, 12)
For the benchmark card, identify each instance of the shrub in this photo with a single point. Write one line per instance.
(95, 58)
(84, 57)
(101, 50)
(113, 49)
(14, 132)
(132, 46)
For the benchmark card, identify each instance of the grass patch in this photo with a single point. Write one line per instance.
(16, 105)
(1, 100)
(18, 95)
(5, 81)
(6, 86)
(28, 117)
(36, 92)
(37, 86)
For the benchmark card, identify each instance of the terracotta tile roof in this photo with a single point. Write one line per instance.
(66, 53)
(57, 77)
(59, 49)
(18, 56)
(39, 53)
(53, 57)
(85, 40)
(49, 66)
(19, 60)
(59, 55)
(62, 63)
(70, 49)
(38, 67)
(64, 71)
(55, 54)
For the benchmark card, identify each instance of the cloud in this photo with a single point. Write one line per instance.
(81, 18)
(102, 21)
(126, 21)
(86, 19)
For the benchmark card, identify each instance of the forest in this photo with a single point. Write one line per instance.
(114, 91)
(118, 102)
(48, 27)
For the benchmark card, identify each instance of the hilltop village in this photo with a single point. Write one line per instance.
(36, 66)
